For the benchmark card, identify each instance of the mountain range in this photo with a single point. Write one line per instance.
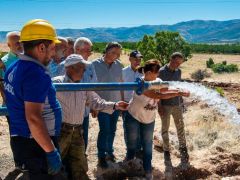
(194, 31)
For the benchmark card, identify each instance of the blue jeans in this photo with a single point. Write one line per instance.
(139, 144)
(107, 126)
(85, 130)
(133, 129)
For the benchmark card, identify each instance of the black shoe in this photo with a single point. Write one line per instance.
(167, 159)
(139, 154)
(102, 163)
(184, 158)
(111, 158)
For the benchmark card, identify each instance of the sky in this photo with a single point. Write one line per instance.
(78, 14)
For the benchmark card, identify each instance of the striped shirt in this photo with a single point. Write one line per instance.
(74, 102)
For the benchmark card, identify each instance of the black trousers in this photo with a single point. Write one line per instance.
(31, 158)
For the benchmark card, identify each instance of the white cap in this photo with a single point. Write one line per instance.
(74, 59)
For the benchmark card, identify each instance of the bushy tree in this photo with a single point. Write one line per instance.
(162, 45)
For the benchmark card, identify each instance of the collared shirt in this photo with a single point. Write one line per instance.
(28, 80)
(8, 59)
(56, 69)
(89, 76)
(167, 74)
(108, 73)
(129, 76)
(74, 102)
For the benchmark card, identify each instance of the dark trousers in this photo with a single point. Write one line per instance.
(85, 130)
(133, 129)
(107, 126)
(29, 156)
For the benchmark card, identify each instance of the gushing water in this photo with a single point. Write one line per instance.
(211, 97)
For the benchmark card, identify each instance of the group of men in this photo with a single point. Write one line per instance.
(50, 128)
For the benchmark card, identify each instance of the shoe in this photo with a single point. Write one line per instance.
(167, 159)
(111, 158)
(139, 154)
(102, 163)
(149, 176)
(184, 158)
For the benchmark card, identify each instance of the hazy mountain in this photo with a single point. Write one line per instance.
(196, 31)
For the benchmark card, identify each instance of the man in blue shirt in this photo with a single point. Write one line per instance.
(35, 113)
(83, 47)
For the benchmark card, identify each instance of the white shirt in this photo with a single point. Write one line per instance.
(129, 76)
(143, 108)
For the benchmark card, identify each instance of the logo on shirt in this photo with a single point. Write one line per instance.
(10, 76)
(8, 88)
(151, 105)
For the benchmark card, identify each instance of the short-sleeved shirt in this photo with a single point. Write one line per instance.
(143, 108)
(27, 80)
(108, 73)
(167, 74)
(8, 59)
(129, 76)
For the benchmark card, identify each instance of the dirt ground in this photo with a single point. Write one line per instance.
(212, 140)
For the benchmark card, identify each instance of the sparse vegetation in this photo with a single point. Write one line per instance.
(221, 67)
(209, 63)
(216, 48)
(220, 91)
(199, 75)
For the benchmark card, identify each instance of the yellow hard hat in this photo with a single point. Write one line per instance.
(38, 29)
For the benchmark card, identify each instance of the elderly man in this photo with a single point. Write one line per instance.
(12, 56)
(71, 139)
(15, 49)
(83, 47)
(55, 68)
(173, 106)
(35, 114)
(108, 69)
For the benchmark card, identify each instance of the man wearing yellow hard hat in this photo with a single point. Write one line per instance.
(35, 113)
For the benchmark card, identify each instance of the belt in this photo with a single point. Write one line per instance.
(72, 126)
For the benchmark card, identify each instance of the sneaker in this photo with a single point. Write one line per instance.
(102, 163)
(149, 176)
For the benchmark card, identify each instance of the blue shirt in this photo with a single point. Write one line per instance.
(56, 69)
(28, 80)
(89, 76)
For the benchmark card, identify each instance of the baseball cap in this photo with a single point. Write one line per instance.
(136, 54)
(74, 59)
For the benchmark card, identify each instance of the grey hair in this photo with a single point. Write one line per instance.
(12, 34)
(60, 38)
(80, 42)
